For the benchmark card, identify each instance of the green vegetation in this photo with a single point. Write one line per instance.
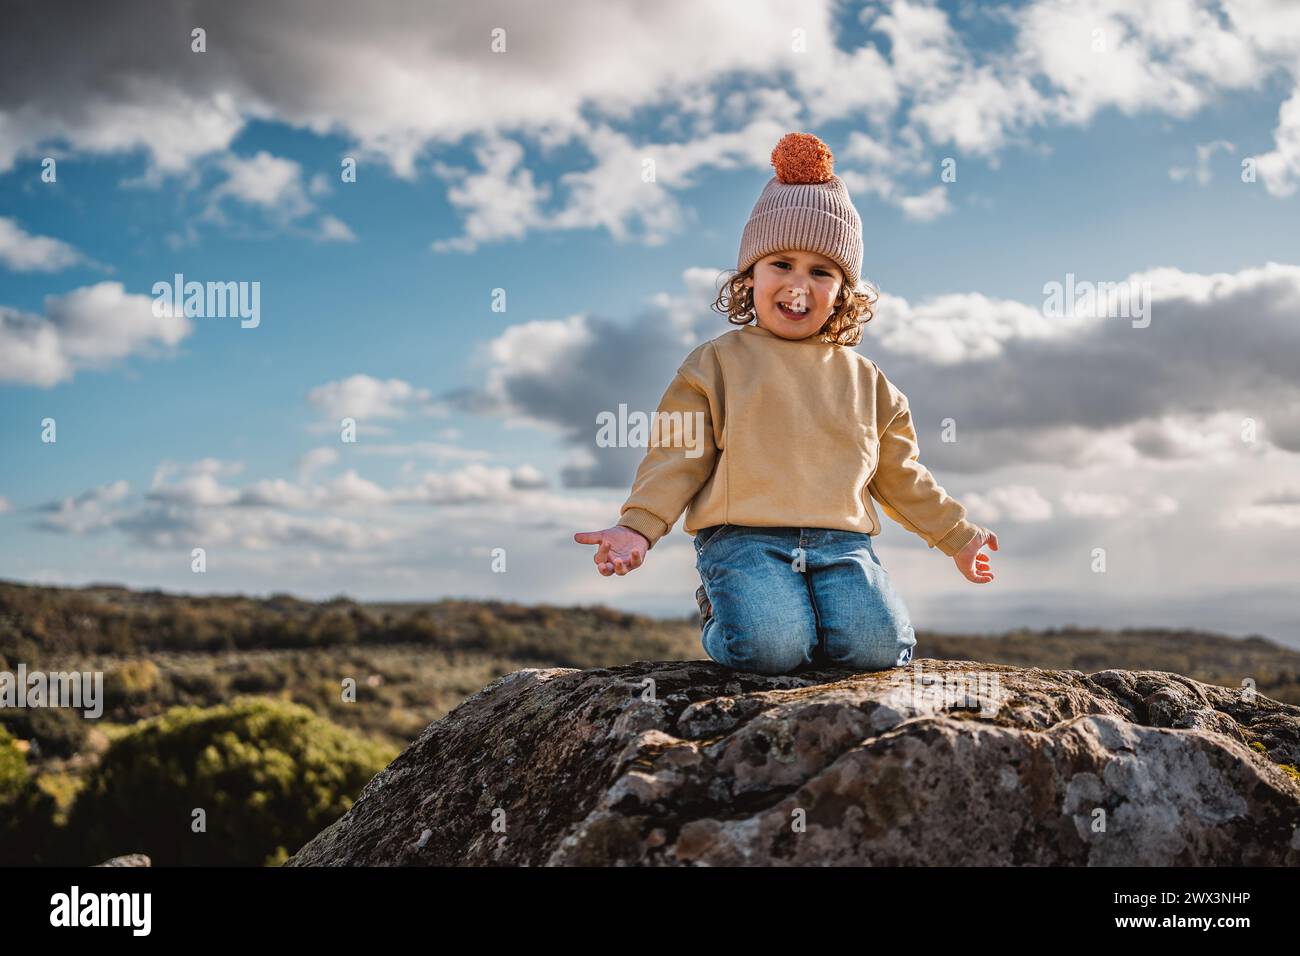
(26, 811)
(267, 776)
(13, 768)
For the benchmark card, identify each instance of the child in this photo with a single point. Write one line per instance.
(800, 433)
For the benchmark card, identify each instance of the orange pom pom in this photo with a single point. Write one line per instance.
(802, 158)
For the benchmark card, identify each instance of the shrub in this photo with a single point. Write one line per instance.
(28, 834)
(270, 775)
(13, 768)
(58, 731)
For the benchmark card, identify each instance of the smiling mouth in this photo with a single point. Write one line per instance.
(790, 313)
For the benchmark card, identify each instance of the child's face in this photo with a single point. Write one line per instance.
(797, 278)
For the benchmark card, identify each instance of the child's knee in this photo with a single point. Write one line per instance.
(875, 647)
(775, 647)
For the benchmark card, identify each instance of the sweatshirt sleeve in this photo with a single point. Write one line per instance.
(675, 468)
(906, 490)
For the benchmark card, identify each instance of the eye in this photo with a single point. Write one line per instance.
(820, 270)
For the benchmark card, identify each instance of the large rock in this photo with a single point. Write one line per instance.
(690, 763)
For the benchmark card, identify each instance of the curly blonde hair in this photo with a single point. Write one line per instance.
(736, 301)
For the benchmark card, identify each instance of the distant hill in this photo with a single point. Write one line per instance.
(109, 619)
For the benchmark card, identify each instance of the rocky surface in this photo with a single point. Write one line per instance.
(936, 763)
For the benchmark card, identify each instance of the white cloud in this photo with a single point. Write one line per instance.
(526, 476)
(1161, 504)
(263, 180)
(89, 327)
(174, 525)
(30, 352)
(958, 328)
(869, 150)
(275, 493)
(196, 491)
(1205, 438)
(189, 505)
(102, 322)
(473, 483)
(1106, 53)
(1278, 510)
(426, 449)
(929, 205)
(925, 52)
(207, 467)
(87, 512)
(199, 485)
(23, 252)
(1280, 168)
(1085, 504)
(174, 128)
(333, 229)
(274, 186)
(501, 202)
(316, 459)
(350, 488)
(363, 397)
(1017, 503)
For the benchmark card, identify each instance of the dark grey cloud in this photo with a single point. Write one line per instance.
(1225, 345)
(598, 364)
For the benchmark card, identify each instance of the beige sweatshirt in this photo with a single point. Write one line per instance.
(760, 430)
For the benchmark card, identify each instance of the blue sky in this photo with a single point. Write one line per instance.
(476, 427)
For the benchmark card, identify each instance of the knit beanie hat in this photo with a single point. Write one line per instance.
(805, 206)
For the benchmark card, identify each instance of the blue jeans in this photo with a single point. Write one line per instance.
(776, 610)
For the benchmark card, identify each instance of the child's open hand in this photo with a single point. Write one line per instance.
(973, 565)
(621, 549)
